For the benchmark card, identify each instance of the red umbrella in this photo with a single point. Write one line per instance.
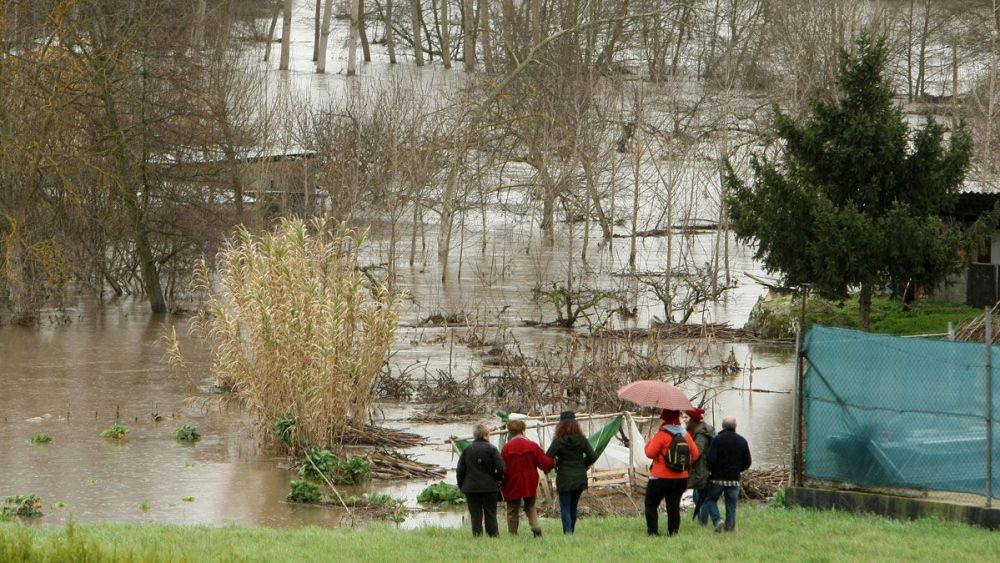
(658, 394)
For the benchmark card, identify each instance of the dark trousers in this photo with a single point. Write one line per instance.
(483, 506)
(568, 502)
(658, 490)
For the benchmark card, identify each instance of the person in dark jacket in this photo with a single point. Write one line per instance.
(480, 471)
(728, 456)
(703, 433)
(573, 455)
(523, 459)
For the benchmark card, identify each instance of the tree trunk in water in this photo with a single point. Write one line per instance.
(366, 51)
(286, 35)
(484, 26)
(468, 36)
(865, 305)
(199, 29)
(549, 211)
(536, 21)
(324, 37)
(990, 102)
(270, 32)
(954, 85)
(922, 61)
(150, 275)
(316, 24)
(909, 53)
(445, 35)
(390, 39)
(447, 214)
(418, 49)
(352, 41)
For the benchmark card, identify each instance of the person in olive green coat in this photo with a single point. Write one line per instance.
(703, 433)
(573, 455)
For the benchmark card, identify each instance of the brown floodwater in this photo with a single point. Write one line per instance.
(72, 379)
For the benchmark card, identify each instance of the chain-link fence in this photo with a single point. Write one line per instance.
(889, 412)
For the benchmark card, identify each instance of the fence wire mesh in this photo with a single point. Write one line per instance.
(884, 411)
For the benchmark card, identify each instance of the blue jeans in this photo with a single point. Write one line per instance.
(568, 501)
(732, 496)
(703, 511)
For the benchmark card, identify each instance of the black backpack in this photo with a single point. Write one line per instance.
(678, 454)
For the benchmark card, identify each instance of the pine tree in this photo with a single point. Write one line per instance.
(856, 197)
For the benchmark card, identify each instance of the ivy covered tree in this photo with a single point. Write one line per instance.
(855, 197)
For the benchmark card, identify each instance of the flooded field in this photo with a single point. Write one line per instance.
(87, 367)
(71, 378)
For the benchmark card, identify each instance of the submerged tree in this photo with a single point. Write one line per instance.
(856, 197)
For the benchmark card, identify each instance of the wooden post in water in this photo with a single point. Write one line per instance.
(989, 406)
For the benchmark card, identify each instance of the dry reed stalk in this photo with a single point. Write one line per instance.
(297, 328)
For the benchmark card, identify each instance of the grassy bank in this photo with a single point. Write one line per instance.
(893, 317)
(764, 534)
(777, 318)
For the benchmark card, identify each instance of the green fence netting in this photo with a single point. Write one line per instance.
(898, 412)
(598, 440)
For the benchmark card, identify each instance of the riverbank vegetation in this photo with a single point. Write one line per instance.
(299, 331)
(763, 534)
(778, 317)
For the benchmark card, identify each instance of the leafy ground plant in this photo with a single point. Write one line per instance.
(352, 471)
(304, 491)
(187, 433)
(374, 500)
(115, 432)
(321, 465)
(25, 506)
(41, 439)
(441, 492)
(316, 464)
(284, 428)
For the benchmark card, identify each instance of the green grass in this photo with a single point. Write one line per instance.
(892, 317)
(764, 534)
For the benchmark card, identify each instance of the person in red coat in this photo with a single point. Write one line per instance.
(523, 459)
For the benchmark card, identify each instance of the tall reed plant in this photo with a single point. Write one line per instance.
(297, 328)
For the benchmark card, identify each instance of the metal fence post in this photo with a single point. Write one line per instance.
(989, 405)
(795, 408)
(798, 406)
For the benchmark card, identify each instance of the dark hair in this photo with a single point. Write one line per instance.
(515, 428)
(568, 428)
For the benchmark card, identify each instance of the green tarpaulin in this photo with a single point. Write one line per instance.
(598, 440)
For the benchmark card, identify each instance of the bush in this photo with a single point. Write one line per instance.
(115, 432)
(316, 464)
(350, 471)
(25, 506)
(284, 428)
(41, 439)
(374, 500)
(293, 320)
(187, 433)
(442, 492)
(304, 491)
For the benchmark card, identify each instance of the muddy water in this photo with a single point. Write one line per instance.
(85, 367)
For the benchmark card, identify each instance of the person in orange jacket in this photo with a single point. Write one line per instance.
(669, 474)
